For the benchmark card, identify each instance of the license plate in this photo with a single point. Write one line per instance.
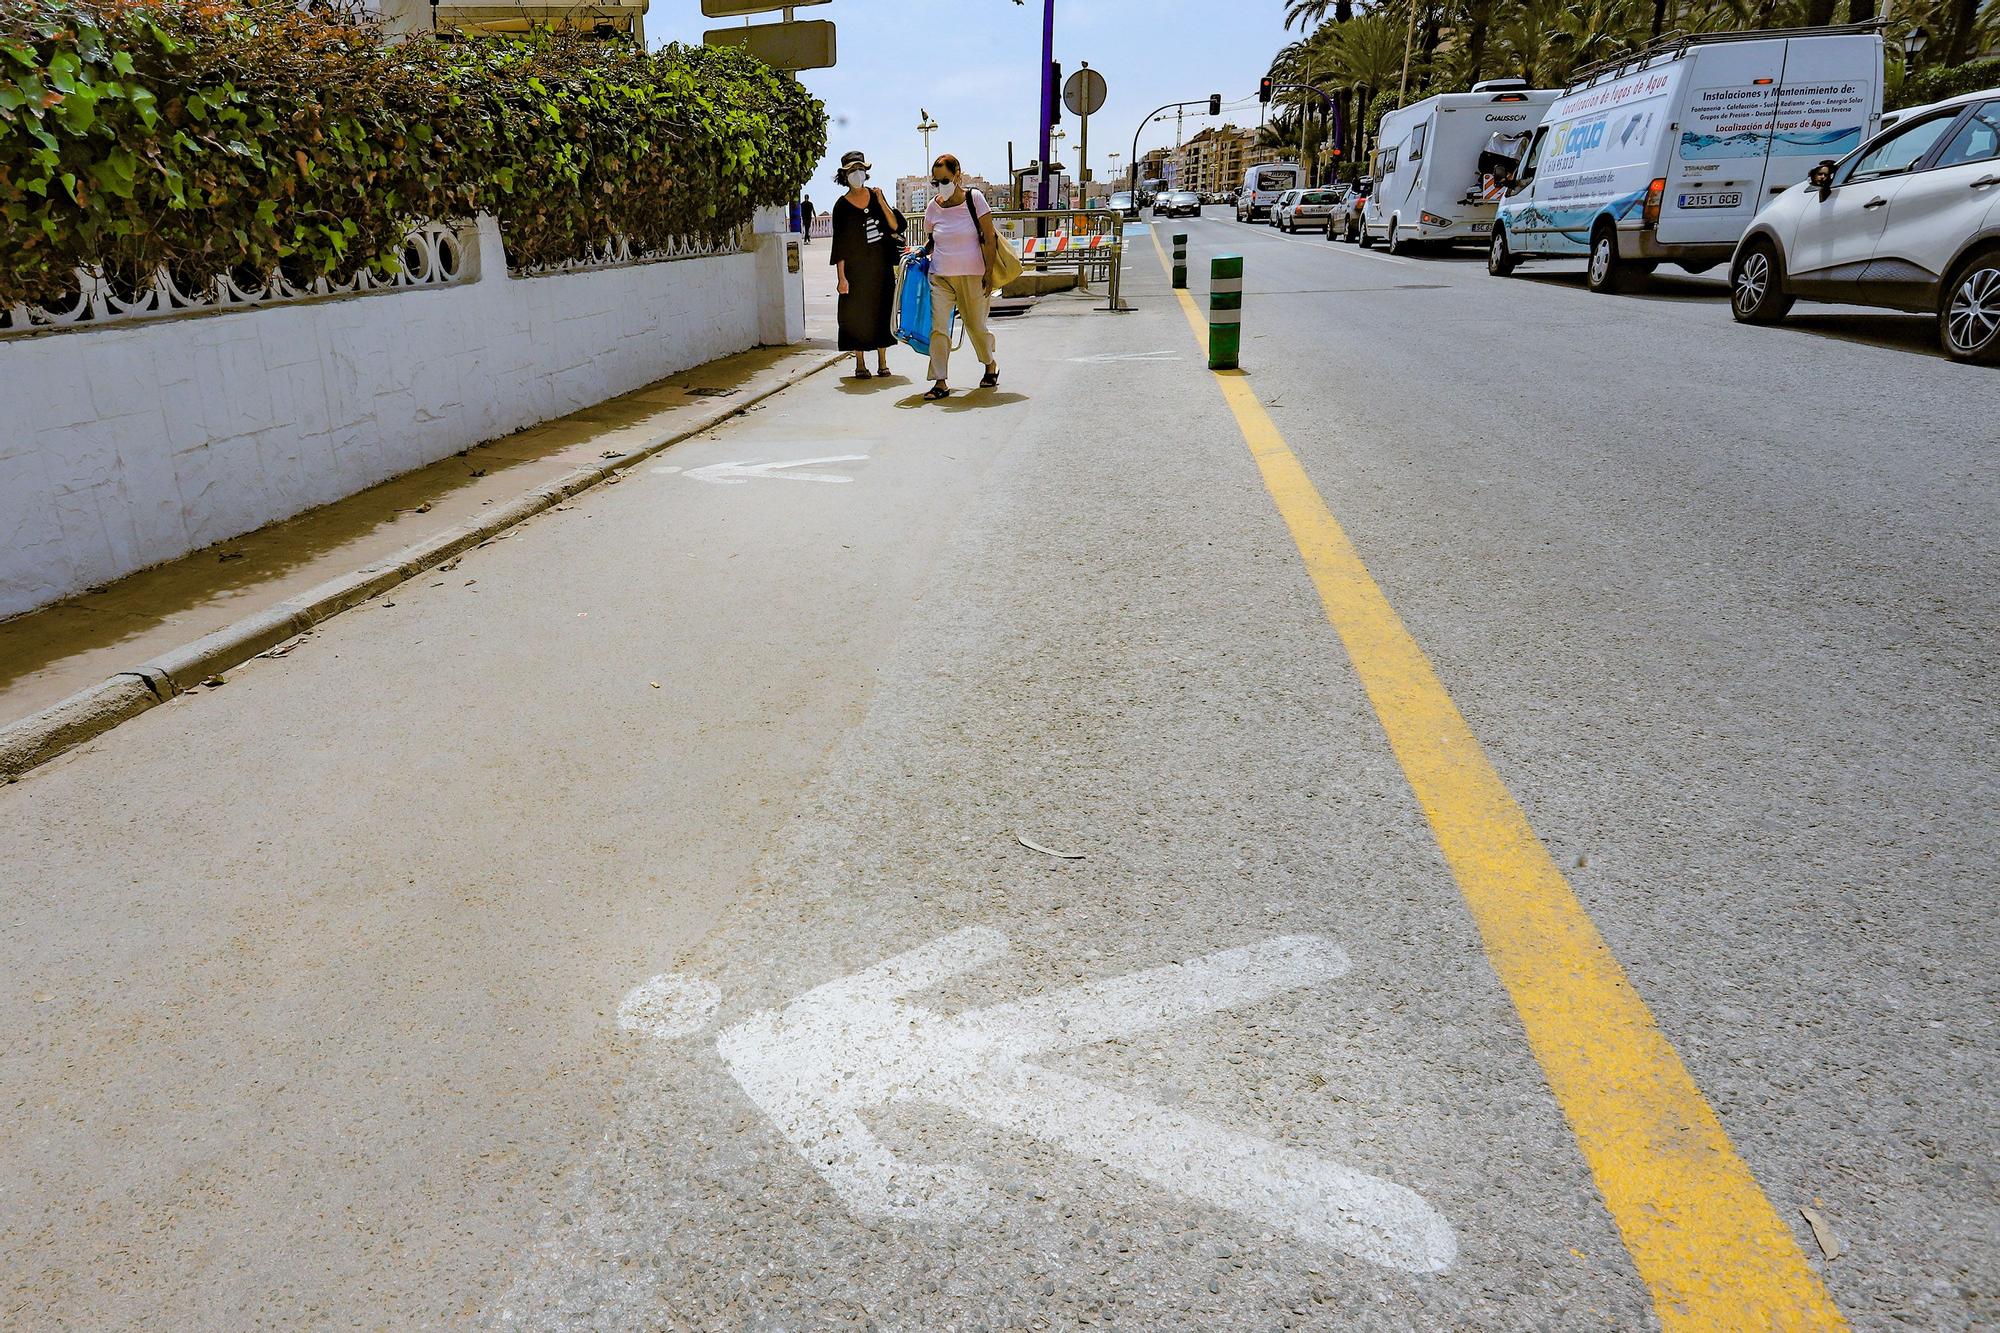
(1713, 199)
(1482, 226)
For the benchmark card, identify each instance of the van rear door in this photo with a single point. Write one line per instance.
(1715, 162)
(1829, 100)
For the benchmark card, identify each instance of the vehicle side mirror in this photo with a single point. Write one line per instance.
(1821, 178)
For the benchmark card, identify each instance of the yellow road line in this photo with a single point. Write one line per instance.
(1705, 1240)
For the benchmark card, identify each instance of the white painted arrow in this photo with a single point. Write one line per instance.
(1106, 358)
(735, 474)
(857, 1044)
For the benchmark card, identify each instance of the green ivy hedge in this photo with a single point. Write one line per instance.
(1942, 81)
(250, 136)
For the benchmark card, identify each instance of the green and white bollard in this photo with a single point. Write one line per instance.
(1180, 260)
(1225, 311)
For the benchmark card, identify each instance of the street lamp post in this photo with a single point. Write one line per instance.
(1913, 46)
(924, 127)
(1048, 95)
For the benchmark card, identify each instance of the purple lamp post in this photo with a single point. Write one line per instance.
(1048, 96)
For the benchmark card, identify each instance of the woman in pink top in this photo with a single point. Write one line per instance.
(960, 223)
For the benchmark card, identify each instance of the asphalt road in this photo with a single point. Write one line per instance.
(638, 926)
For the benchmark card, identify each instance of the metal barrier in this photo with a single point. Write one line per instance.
(1055, 239)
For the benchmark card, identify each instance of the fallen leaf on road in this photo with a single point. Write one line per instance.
(448, 566)
(214, 681)
(424, 508)
(479, 472)
(654, 683)
(1829, 1244)
(1034, 846)
(228, 555)
(469, 582)
(285, 648)
(611, 453)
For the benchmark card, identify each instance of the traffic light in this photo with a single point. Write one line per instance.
(1215, 104)
(1263, 90)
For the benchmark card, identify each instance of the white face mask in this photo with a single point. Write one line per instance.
(943, 187)
(856, 179)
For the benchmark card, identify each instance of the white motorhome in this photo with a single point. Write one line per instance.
(1667, 154)
(1262, 184)
(1442, 163)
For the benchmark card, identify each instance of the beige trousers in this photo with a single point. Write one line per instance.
(968, 295)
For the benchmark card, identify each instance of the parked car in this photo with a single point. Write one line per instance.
(1308, 208)
(1262, 184)
(1177, 204)
(1123, 202)
(1345, 222)
(1908, 221)
(1670, 153)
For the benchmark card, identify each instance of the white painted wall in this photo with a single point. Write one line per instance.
(125, 445)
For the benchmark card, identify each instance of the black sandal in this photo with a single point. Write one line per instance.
(937, 391)
(861, 373)
(990, 380)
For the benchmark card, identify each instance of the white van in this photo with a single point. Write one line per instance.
(1441, 164)
(1668, 153)
(1262, 185)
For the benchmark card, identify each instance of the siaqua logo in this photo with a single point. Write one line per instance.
(1580, 138)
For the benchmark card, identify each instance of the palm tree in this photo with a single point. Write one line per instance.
(1310, 13)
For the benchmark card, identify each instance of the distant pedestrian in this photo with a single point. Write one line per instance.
(960, 223)
(806, 215)
(867, 241)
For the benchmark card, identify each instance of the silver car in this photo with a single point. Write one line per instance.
(1307, 208)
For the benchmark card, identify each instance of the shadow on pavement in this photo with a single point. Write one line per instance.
(965, 400)
(1890, 329)
(875, 384)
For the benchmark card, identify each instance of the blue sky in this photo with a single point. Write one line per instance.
(973, 65)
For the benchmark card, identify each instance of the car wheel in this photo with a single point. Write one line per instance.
(1605, 273)
(1969, 312)
(1756, 288)
(1500, 260)
(1329, 230)
(1367, 240)
(1395, 244)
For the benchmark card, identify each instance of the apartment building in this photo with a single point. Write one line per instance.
(1214, 160)
(913, 193)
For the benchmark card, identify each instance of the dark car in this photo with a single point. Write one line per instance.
(1177, 204)
(1344, 223)
(1123, 202)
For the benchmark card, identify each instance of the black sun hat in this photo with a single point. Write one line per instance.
(849, 161)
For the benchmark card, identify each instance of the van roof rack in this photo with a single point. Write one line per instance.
(1676, 44)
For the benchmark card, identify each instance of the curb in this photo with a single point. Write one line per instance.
(40, 737)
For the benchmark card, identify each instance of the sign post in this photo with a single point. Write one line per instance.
(786, 46)
(1084, 94)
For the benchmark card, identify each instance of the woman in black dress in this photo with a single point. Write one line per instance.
(867, 241)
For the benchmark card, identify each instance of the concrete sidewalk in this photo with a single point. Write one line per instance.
(47, 655)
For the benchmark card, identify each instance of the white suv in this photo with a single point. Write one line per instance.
(1909, 221)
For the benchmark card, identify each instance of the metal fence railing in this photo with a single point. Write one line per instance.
(1052, 240)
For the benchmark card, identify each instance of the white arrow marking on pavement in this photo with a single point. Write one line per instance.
(735, 474)
(1105, 358)
(856, 1044)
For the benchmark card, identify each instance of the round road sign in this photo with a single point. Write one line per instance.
(1083, 92)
